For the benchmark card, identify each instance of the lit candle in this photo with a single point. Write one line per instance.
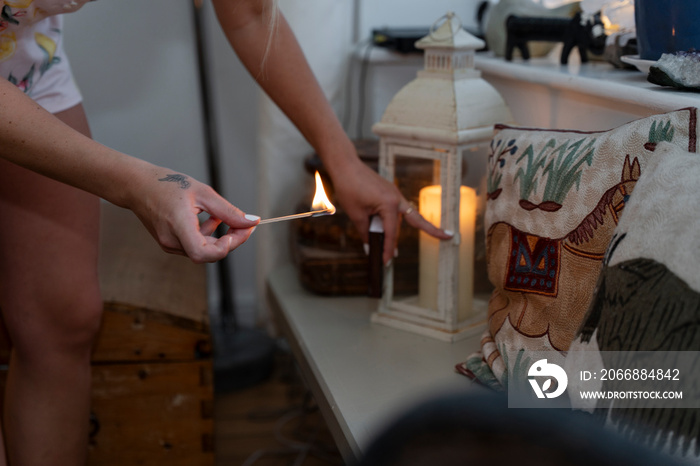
(429, 249)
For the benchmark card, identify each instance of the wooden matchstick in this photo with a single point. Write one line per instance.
(313, 213)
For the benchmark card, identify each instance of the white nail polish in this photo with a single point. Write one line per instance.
(389, 263)
(251, 217)
(396, 252)
(449, 232)
(365, 246)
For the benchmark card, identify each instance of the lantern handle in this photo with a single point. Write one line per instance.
(449, 16)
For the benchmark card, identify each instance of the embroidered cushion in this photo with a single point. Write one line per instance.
(554, 198)
(648, 299)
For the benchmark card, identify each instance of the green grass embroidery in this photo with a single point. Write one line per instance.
(483, 372)
(493, 182)
(661, 132)
(496, 162)
(519, 371)
(564, 170)
(528, 173)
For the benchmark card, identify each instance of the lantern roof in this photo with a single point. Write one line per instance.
(448, 102)
(450, 35)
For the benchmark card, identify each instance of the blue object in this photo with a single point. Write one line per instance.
(666, 26)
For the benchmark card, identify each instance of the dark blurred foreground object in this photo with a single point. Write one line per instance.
(400, 40)
(586, 34)
(479, 428)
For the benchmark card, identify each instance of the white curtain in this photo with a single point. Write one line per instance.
(324, 30)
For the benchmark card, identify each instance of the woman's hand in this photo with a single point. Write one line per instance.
(363, 193)
(168, 205)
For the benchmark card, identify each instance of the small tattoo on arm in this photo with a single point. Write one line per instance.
(179, 179)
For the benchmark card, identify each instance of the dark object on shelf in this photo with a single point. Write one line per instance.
(586, 34)
(403, 40)
(400, 40)
(375, 287)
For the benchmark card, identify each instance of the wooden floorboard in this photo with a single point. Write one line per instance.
(274, 423)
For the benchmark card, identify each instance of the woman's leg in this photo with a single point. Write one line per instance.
(50, 299)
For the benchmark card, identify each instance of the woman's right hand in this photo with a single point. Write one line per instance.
(169, 204)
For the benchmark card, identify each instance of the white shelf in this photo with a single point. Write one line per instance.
(586, 96)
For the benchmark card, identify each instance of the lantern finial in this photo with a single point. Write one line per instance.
(447, 32)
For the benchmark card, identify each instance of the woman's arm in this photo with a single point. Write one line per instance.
(287, 78)
(166, 202)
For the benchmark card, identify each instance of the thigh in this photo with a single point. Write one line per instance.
(48, 243)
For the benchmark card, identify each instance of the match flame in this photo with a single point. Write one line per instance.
(321, 201)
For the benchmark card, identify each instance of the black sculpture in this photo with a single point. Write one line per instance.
(585, 32)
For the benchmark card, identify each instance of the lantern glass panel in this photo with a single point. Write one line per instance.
(474, 161)
(474, 175)
(411, 174)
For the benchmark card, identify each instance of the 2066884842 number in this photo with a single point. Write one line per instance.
(640, 374)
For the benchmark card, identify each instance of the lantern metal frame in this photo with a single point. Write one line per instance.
(442, 322)
(443, 137)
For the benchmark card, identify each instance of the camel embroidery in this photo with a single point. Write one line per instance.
(539, 268)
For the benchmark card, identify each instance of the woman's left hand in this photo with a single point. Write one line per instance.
(168, 204)
(363, 193)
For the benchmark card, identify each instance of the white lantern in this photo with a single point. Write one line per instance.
(443, 116)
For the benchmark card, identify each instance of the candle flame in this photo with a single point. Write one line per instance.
(321, 201)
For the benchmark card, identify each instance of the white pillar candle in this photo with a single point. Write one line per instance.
(429, 249)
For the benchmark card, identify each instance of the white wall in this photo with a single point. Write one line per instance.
(135, 66)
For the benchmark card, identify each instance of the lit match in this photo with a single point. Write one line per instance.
(320, 206)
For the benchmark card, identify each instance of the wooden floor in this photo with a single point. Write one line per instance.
(274, 423)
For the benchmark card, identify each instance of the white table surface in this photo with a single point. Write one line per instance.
(361, 374)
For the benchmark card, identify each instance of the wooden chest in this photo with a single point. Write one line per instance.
(152, 396)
